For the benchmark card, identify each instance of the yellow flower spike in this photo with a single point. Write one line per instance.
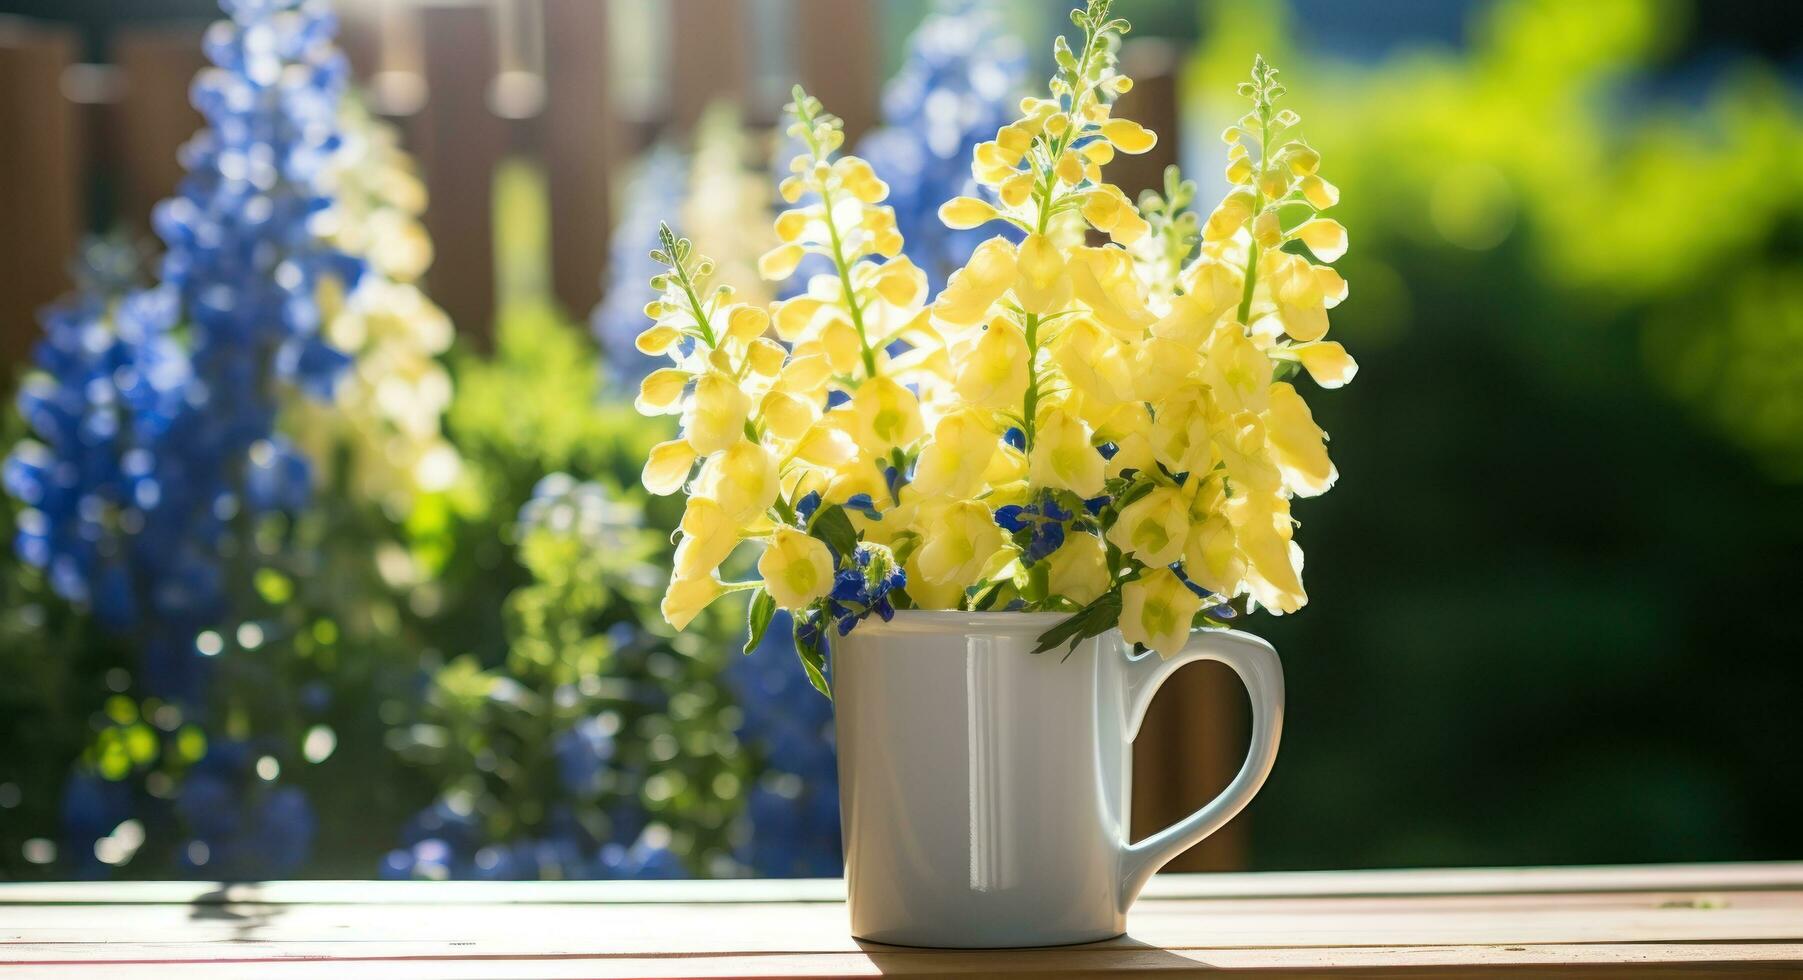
(1057, 124)
(1078, 570)
(995, 373)
(1064, 457)
(667, 468)
(715, 416)
(659, 339)
(991, 164)
(792, 188)
(958, 544)
(796, 568)
(708, 536)
(953, 461)
(1157, 610)
(1325, 360)
(1042, 286)
(1320, 193)
(790, 224)
(1211, 557)
(660, 393)
(1239, 170)
(844, 351)
(1153, 528)
(1300, 445)
(742, 480)
(1098, 152)
(1324, 236)
(786, 415)
(966, 212)
(687, 597)
(1162, 365)
(1129, 136)
(887, 414)
(1273, 184)
(967, 296)
(780, 262)
(1102, 207)
(746, 323)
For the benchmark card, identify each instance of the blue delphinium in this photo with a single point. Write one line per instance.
(962, 81)
(656, 192)
(792, 812)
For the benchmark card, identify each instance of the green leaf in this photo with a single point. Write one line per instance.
(832, 526)
(757, 619)
(986, 601)
(1296, 246)
(1097, 618)
(812, 662)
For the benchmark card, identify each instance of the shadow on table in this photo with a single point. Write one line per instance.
(238, 904)
(1121, 953)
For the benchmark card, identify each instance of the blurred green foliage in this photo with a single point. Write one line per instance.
(1548, 621)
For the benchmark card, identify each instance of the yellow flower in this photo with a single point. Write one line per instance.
(742, 479)
(1157, 610)
(708, 536)
(667, 468)
(1180, 434)
(1299, 443)
(796, 568)
(1152, 528)
(1261, 524)
(966, 212)
(1211, 557)
(1078, 570)
(1042, 286)
(716, 414)
(958, 543)
(994, 375)
(1129, 136)
(887, 415)
(1325, 360)
(1063, 455)
(660, 393)
(1324, 236)
(953, 461)
(780, 262)
(967, 296)
(686, 597)
(931, 595)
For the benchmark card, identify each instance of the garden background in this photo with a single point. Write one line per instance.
(1551, 615)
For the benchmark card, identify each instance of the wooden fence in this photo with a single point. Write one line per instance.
(471, 84)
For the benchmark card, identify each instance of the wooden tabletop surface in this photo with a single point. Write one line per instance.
(1639, 921)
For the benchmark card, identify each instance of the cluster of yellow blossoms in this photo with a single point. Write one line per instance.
(390, 404)
(1105, 429)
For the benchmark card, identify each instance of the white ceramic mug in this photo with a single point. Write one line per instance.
(984, 789)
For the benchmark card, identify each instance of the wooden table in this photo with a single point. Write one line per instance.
(1745, 918)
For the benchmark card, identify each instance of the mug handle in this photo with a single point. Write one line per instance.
(1259, 669)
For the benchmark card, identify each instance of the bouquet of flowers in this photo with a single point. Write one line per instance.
(1106, 429)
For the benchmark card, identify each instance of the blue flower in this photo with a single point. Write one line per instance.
(1043, 521)
(960, 82)
(655, 193)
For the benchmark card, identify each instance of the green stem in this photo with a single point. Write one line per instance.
(1258, 205)
(1030, 407)
(832, 227)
